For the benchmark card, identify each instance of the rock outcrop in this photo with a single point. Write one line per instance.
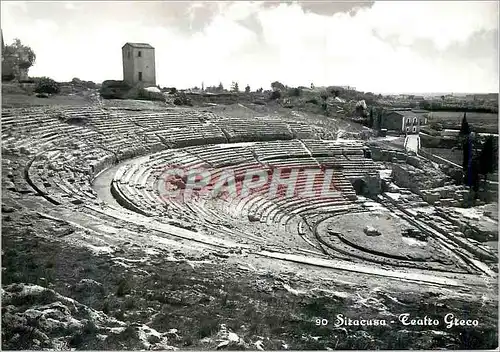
(34, 317)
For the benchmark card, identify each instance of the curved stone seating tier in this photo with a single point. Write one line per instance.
(353, 166)
(335, 147)
(125, 196)
(130, 182)
(13, 178)
(113, 130)
(180, 137)
(118, 125)
(301, 130)
(213, 134)
(277, 210)
(279, 235)
(169, 118)
(250, 129)
(220, 155)
(38, 130)
(56, 178)
(136, 180)
(303, 230)
(128, 152)
(301, 163)
(279, 149)
(242, 205)
(138, 183)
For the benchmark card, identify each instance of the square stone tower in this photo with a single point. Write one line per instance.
(139, 64)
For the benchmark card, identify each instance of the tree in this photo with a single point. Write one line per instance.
(277, 86)
(379, 120)
(19, 57)
(234, 87)
(220, 88)
(488, 157)
(474, 175)
(464, 128)
(46, 85)
(471, 161)
(247, 89)
(466, 153)
(371, 119)
(275, 95)
(295, 92)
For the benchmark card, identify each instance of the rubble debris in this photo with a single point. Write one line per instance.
(371, 231)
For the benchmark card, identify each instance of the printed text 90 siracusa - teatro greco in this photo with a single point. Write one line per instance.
(449, 321)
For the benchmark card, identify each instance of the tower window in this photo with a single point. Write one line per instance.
(139, 53)
(414, 120)
(414, 129)
(128, 54)
(140, 76)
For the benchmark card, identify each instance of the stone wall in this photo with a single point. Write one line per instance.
(471, 229)
(415, 179)
(428, 141)
(445, 196)
(380, 154)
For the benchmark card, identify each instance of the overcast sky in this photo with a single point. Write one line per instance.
(384, 47)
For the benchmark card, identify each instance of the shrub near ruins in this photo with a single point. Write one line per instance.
(46, 85)
(143, 94)
(83, 84)
(182, 99)
(111, 89)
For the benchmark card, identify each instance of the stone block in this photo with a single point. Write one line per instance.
(371, 231)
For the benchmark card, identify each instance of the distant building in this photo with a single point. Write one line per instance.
(404, 121)
(139, 64)
(348, 87)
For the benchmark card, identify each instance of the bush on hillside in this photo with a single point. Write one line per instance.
(7, 76)
(46, 85)
(111, 89)
(275, 95)
(182, 99)
(277, 86)
(312, 101)
(294, 92)
(28, 80)
(85, 84)
(143, 94)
